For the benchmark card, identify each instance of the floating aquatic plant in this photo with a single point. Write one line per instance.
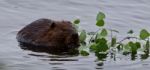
(101, 44)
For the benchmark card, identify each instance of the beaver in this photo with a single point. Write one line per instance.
(49, 36)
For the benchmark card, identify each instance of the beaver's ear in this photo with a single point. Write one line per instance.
(52, 24)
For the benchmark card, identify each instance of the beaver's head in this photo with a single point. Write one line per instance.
(72, 41)
(64, 33)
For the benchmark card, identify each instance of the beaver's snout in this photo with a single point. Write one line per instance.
(73, 41)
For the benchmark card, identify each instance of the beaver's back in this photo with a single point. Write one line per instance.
(34, 30)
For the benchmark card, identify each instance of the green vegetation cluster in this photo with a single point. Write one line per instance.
(103, 43)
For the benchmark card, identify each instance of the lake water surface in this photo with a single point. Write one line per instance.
(120, 14)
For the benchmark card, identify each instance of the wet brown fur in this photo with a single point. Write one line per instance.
(54, 35)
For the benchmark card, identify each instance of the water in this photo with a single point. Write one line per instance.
(120, 14)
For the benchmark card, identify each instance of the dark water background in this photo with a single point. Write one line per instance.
(120, 14)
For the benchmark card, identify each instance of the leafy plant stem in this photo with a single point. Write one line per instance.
(94, 35)
(128, 37)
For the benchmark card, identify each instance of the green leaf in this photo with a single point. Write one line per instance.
(100, 19)
(134, 46)
(101, 57)
(101, 45)
(100, 16)
(138, 44)
(77, 21)
(84, 53)
(82, 36)
(100, 23)
(101, 40)
(113, 41)
(130, 32)
(93, 47)
(144, 34)
(104, 32)
(126, 48)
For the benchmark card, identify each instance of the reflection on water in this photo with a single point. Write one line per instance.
(46, 49)
(55, 57)
(145, 56)
(120, 14)
(56, 60)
